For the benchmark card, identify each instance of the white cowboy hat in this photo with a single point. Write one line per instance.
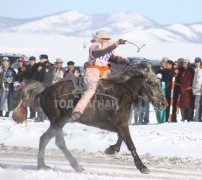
(102, 34)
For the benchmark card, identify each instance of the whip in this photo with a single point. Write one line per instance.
(138, 48)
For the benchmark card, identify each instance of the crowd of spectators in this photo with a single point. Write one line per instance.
(181, 84)
(12, 82)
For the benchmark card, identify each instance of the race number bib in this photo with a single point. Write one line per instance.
(105, 58)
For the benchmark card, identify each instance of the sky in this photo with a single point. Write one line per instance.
(161, 11)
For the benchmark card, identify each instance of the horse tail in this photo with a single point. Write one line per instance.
(32, 92)
(29, 95)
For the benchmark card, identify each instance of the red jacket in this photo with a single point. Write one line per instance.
(187, 97)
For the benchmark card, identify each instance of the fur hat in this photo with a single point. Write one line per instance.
(43, 56)
(70, 63)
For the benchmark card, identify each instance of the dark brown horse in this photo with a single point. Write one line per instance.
(109, 110)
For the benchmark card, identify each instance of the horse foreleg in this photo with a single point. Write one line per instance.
(128, 140)
(60, 142)
(44, 140)
(116, 147)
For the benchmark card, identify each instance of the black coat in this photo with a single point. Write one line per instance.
(31, 72)
(21, 71)
(46, 74)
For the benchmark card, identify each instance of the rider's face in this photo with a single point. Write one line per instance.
(102, 41)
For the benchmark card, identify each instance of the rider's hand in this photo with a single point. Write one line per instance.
(121, 41)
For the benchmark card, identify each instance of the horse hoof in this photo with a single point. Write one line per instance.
(145, 171)
(44, 167)
(109, 151)
(79, 169)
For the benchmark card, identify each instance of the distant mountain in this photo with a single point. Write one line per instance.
(127, 24)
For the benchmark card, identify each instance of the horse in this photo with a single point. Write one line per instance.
(109, 110)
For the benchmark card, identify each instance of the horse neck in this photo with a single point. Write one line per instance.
(134, 85)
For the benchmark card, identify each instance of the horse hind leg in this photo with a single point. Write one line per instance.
(44, 140)
(116, 147)
(128, 140)
(60, 143)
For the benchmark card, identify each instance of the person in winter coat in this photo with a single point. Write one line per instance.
(45, 70)
(197, 89)
(161, 114)
(167, 78)
(6, 96)
(45, 73)
(70, 68)
(162, 69)
(176, 92)
(100, 54)
(21, 70)
(31, 69)
(30, 74)
(187, 97)
(58, 71)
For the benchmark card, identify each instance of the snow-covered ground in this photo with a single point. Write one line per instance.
(175, 143)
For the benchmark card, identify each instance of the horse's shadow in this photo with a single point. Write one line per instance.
(18, 166)
(7, 166)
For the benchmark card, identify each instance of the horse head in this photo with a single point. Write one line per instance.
(147, 86)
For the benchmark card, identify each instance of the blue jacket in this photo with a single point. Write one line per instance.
(8, 78)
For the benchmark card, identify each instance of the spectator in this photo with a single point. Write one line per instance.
(8, 78)
(21, 70)
(134, 111)
(70, 68)
(45, 75)
(176, 92)
(187, 97)
(45, 70)
(161, 114)
(167, 77)
(163, 68)
(197, 89)
(31, 69)
(58, 71)
(143, 106)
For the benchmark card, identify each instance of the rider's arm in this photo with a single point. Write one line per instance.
(118, 60)
(97, 52)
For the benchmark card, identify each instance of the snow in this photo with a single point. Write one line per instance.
(74, 23)
(176, 139)
(71, 47)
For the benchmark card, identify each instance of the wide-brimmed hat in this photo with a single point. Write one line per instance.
(102, 34)
(59, 60)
